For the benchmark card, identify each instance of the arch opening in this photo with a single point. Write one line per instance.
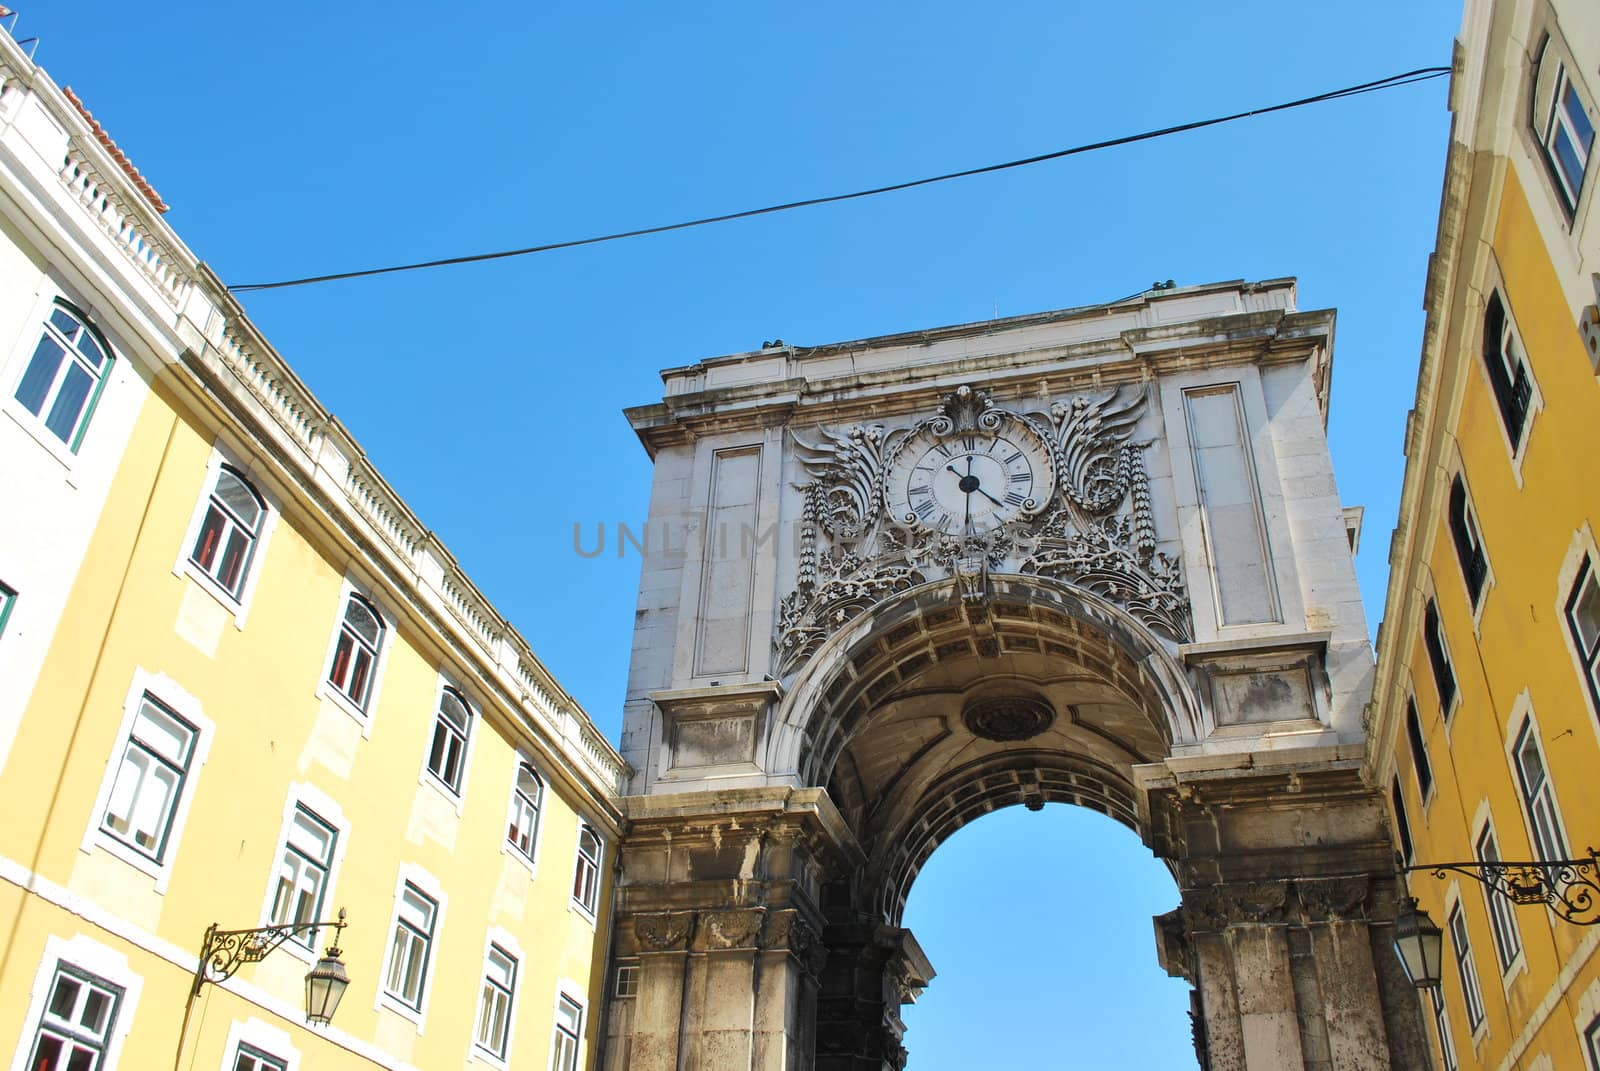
(1073, 982)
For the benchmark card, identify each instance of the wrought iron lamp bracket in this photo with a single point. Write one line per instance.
(1570, 888)
(225, 951)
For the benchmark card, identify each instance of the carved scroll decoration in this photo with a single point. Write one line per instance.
(1095, 529)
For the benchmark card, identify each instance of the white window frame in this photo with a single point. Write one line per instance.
(508, 946)
(457, 796)
(1524, 719)
(185, 566)
(46, 301)
(579, 859)
(513, 812)
(1586, 662)
(8, 603)
(1475, 529)
(1586, 1025)
(263, 1037)
(1516, 451)
(1558, 118)
(1581, 548)
(326, 689)
(564, 993)
(168, 693)
(326, 808)
(1412, 712)
(1447, 707)
(429, 886)
(1504, 932)
(1466, 967)
(88, 957)
(1441, 1024)
(626, 977)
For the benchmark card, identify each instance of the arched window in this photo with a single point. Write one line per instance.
(447, 758)
(228, 535)
(1468, 540)
(526, 799)
(355, 653)
(586, 881)
(64, 377)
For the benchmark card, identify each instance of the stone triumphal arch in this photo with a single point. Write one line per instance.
(1093, 556)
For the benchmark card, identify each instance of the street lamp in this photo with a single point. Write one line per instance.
(1419, 944)
(223, 952)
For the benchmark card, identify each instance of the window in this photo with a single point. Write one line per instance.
(75, 1029)
(1402, 826)
(447, 756)
(64, 377)
(1444, 676)
(1469, 542)
(526, 800)
(355, 653)
(1564, 127)
(1583, 620)
(627, 980)
(1470, 993)
(1441, 1022)
(586, 881)
(1419, 750)
(150, 779)
(494, 1004)
(250, 1058)
(569, 1029)
(1502, 917)
(415, 913)
(8, 599)
(303, 869)
(1508, 372)
(1538, 795)
(227, 538)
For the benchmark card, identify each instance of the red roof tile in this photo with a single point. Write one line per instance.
(139, 181)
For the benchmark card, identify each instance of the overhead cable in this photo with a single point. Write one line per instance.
(1421, 74)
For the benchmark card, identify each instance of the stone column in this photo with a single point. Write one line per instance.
(717, 906)
(1287, 918)
(871, 971)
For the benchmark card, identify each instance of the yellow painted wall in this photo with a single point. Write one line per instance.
(258, 686)
(1518, 643)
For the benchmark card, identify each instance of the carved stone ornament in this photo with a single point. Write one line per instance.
(1324, 899)
(720, 930)
(972, 490)
(787, 930)
(663, 933)
(1008, 718)
(1217, 907)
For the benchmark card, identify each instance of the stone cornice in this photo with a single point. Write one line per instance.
(1461, 203)
(788, 385)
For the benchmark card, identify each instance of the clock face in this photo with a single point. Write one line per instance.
(967, 482)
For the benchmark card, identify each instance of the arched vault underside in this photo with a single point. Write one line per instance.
(939, 710)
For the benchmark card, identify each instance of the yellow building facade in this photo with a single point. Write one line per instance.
(1484, 726)
(241, 684)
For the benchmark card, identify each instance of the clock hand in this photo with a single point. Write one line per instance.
(955, 470)
(990, 497)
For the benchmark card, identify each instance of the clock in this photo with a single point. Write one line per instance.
(968, 481)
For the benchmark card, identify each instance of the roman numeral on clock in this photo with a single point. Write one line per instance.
(925, 508)
(1021, 477)
(1014, 498)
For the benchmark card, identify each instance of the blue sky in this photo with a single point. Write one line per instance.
(298, 138)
